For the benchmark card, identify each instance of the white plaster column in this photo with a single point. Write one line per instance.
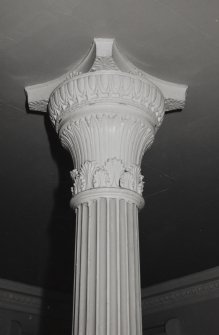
(106, 113)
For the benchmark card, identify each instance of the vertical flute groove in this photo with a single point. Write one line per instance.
(127, 269)
(83, 287)
(139, 276)
(108, 270)
(75, 262)
(88, 269)
(78, 271)
(118, 264)
(136, 268)
(97, 275)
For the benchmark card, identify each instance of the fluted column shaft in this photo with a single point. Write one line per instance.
(107, 297)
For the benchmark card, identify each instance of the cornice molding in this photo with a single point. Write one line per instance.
(15, 296)
(198, 287)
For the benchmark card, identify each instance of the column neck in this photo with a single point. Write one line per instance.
(107, 193)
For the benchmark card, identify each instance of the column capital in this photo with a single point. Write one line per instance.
(104, 53)
(106, 113)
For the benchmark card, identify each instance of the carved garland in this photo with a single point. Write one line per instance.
(111, 174)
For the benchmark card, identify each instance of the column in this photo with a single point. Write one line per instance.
(106, 113)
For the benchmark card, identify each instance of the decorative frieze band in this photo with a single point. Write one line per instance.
(106, 86)
(112, 174)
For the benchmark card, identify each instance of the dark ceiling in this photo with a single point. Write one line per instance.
(171, 39)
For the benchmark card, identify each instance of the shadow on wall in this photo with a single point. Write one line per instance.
(61, 234)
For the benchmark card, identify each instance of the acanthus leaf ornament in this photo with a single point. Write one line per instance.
(115, 168)
(83, 179)
(112, 173)
(101, 178)
(132, 179)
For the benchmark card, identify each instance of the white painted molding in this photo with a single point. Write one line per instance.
(106, 51)
(202, 286)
